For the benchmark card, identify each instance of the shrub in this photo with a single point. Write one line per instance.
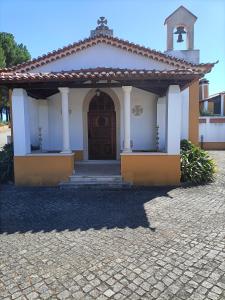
(6, 164)
(196, 165)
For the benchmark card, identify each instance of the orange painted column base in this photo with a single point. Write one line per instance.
(43, 170)
(79, 155)
(152, 169)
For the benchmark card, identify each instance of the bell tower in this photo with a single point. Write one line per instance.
(181, 24)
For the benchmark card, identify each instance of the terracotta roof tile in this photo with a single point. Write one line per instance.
(97, 73)
(126, 45)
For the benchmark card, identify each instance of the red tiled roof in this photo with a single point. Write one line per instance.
(113, 41)
(99, 74)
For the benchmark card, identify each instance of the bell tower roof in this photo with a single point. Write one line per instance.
(102, 28)
(179, 14)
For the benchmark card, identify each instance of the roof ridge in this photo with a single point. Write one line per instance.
(87, 42)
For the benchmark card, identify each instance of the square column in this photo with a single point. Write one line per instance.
(161, 122)
(21, 127)
(64, 91)
(173, 120)
(126, 108)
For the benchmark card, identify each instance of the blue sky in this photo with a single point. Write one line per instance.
(45, 25)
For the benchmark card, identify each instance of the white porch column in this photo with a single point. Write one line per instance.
(43, 123)
(205, 106)
(21, 127)
(126, 108)
(173, 119)
(222, 105)
(161, 122)
(65, 119)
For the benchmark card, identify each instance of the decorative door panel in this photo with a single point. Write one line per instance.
(102, 128)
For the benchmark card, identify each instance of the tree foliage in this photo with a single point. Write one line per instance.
(11, 53)
(2, 58)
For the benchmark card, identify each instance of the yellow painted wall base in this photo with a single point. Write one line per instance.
(213, 146)
(151, 169)
(42, 170)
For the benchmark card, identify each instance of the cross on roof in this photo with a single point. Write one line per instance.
(102, 28)
(102, 21)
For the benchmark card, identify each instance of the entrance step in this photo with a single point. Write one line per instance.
(97, 162)
(97, 169)
(82, 181)
(83, 178)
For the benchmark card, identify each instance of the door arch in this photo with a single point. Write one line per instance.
(101, 128)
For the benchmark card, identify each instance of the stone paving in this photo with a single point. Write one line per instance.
(158, 243)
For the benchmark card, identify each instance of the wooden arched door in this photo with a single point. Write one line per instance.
(102, 128)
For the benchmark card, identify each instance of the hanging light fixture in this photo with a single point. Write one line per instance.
(97, 92)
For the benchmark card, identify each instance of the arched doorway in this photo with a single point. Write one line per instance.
(101, 128)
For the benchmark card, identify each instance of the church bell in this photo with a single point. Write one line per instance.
(180, 31)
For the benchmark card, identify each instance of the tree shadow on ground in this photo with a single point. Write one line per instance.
(38, 209)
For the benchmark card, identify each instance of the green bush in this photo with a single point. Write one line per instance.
(196, 165)
(6, 164)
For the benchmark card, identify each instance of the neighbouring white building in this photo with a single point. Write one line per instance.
(212, 118)
(107, 100)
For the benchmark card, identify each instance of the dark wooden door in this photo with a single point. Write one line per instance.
(102, 128)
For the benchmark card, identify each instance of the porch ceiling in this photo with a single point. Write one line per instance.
(43, 85)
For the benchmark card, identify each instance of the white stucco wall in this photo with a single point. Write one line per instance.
(102, 55)
(33, 120)
(212, 132)
(47, 115)
(43, 122)
(76, 98)
(143, 127)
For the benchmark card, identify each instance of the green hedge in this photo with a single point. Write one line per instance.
(196, 165)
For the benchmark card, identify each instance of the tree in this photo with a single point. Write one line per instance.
(11, 54)
(2, 58)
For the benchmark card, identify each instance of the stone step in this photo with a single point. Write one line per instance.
(91, 179)
(93, 185)
(80, 181)
(97, 162)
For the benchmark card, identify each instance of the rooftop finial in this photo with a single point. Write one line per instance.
(102, 28)
(102, 21)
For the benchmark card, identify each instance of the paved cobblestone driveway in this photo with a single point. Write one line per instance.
(139, 244)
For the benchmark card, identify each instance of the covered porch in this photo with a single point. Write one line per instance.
(52, 128)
